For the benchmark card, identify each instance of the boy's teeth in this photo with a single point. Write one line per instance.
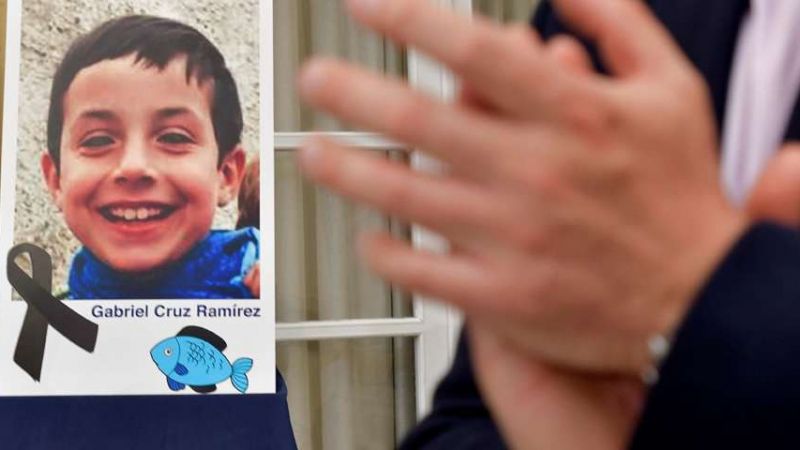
(129, 214)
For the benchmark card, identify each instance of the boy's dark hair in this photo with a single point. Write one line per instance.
(155, 41)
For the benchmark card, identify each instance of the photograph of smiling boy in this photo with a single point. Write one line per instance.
(143, 145)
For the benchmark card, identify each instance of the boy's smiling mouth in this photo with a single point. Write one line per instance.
(136, 212)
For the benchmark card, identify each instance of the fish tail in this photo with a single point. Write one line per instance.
(239, 376)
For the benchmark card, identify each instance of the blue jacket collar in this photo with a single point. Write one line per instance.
(214, 268)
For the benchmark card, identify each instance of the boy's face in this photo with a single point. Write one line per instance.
(139, 180)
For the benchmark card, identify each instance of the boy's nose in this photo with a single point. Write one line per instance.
(135, 168)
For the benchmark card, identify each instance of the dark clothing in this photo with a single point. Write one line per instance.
(732, 379)
(460, 419)
(182, 422)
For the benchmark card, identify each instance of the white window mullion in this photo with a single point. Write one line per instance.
(373, 141)
(348, 329)
(435, 346)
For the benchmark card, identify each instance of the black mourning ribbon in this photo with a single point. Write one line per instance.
(43, 310)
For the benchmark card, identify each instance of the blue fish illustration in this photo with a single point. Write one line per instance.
(194, 358)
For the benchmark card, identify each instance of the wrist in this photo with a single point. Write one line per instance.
(692, 268)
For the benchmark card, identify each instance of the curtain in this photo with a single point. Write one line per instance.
(506, 10)
(343, 394)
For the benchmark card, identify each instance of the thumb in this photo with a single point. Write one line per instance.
(538, 406)
(776, 197)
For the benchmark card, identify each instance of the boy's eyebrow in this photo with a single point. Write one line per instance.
(166, 113)
(100, 114)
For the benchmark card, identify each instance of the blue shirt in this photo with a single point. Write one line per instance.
(214, 268)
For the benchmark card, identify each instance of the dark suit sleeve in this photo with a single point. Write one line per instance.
(732, 379)
(459, 418)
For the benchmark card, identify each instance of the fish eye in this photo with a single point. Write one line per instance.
(168, 351)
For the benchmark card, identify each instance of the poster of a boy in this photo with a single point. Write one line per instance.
(124, 138)
(143, 144)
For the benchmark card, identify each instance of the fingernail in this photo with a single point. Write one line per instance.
(365, 7)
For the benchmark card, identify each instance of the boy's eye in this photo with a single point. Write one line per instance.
(174, 138)
(97, 141)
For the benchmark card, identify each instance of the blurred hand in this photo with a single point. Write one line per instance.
(538, 406)
(572, 200)
(586, 208)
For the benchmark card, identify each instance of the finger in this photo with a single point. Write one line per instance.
(497, 62)
(569, 53)
(442, 204)
(458, 280)
(565, 50)
(630, 38)
(469, 98)
(777, 195)
(459, 137)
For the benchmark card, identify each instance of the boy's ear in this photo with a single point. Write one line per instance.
(231, 173)
(52, 178)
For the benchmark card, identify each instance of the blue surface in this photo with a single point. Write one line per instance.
(214, 268)
(195, 422)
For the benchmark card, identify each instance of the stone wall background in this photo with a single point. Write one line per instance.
(48, 28)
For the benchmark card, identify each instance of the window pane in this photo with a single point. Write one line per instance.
(506, 10)
(349, 394)
(320, 27)
(319, 276)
